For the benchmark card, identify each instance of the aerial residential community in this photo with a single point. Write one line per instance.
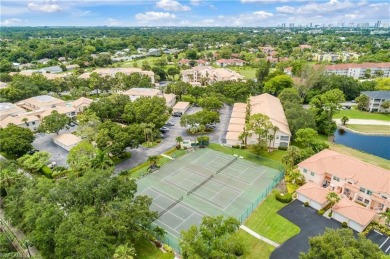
(195, 129)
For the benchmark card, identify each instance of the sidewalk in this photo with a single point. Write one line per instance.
(364, 122)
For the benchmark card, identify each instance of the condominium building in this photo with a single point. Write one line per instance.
(356, 71)
(112, 72)
(134, 93)
(261, 104)
(208, 75)
(376, 98)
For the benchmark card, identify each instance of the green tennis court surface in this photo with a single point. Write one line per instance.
(205, 182)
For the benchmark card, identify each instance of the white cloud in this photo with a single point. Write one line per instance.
(79, 13)
(313, 8)
(154, 16)
(262, 14)
(45, 7)
(195, 2)
(113, 22)
(11, 21)
(171, 5)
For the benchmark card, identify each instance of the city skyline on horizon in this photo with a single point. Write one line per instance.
(195, 13)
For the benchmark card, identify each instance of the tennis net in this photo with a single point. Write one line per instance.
(231, 162)
(170, 207)
(199, 185)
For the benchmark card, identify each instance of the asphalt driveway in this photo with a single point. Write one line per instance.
(310, 223)
(140, 154)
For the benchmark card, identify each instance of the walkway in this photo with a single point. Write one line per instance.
(364, 122)
(253, 233)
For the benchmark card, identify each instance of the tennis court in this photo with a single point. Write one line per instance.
(205, 182)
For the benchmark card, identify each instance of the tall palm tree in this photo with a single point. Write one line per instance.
(153, 162)
(179, 139)
(292, 155)
(274, 130)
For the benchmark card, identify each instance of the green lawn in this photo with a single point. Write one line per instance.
(357, 114)
(253, 247)
(123, 157)
(266, 222)
(377, 129)
(247, 71)
(274, 155)
(368, 158)
(146, 250)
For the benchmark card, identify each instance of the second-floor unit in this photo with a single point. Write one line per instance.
(376, 99)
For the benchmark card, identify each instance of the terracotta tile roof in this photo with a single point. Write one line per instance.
(232, 135)
(82, 100)
(17, 120)
(233, 60)
(236, 128)
(238, 114)
(270, 105)
(59, 109)
(240, 121)
(354, 211)
(363, 174)
(41, 101)
(184, 61)
(314, 192)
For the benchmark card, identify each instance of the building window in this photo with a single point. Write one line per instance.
(284, 138)
(366, 201)
(336, 178)
(362, 189)
(312, 174)
(369, 192)
(305, 171)
(359, 198)
(33, 123)
(384, 197)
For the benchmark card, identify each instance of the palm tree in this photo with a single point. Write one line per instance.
(333, 198)
(344, 120)
(179, 139)
(102, 160)
(153, 162)
(293, 153)
(295, 176)
(274, 129)
(386, 215)
(270, 138)
(124, 252)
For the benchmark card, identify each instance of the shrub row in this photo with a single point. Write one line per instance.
(381, 228)
(285, 198)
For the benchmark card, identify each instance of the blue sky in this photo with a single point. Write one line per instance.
(190, 12)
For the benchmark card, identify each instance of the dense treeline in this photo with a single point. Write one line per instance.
(86, 216)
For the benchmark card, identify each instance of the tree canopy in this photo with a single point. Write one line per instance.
(15, 140)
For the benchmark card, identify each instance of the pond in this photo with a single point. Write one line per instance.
(372, 144)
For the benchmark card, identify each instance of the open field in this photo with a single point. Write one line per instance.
(139, 62)
(357, 114)
(376, 129)
(247, 71)
(266, 222)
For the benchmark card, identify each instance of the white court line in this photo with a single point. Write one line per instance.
(384, 242)
(169, 228)
(234, 199)
(184, 220)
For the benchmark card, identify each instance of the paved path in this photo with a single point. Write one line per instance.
(364, 122)
(140, 154)
(253, 233)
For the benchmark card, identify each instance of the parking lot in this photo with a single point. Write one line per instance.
(382, 240)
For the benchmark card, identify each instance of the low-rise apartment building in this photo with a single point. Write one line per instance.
(127, 71)
(208, 75)
(356, 71)
(376, 99)
(261, 104)
(230, 62)
(349, 177)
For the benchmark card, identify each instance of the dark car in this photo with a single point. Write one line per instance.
(177, 114)
(164, 129)
(31, 152)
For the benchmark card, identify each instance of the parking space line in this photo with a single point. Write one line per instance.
(378, 232)
(384, 242)
(387, 249)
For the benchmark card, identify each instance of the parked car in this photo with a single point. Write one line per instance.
(164, 129)
(72, 124)
(31, 152)
(169, 124)
(52, 164)
(177, 114)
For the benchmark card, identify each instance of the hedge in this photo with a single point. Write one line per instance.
(285, 198)
(46, 171)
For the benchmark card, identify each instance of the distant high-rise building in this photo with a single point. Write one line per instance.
(311, 25)
(283, 25)
(291, 25)
(378, 24)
